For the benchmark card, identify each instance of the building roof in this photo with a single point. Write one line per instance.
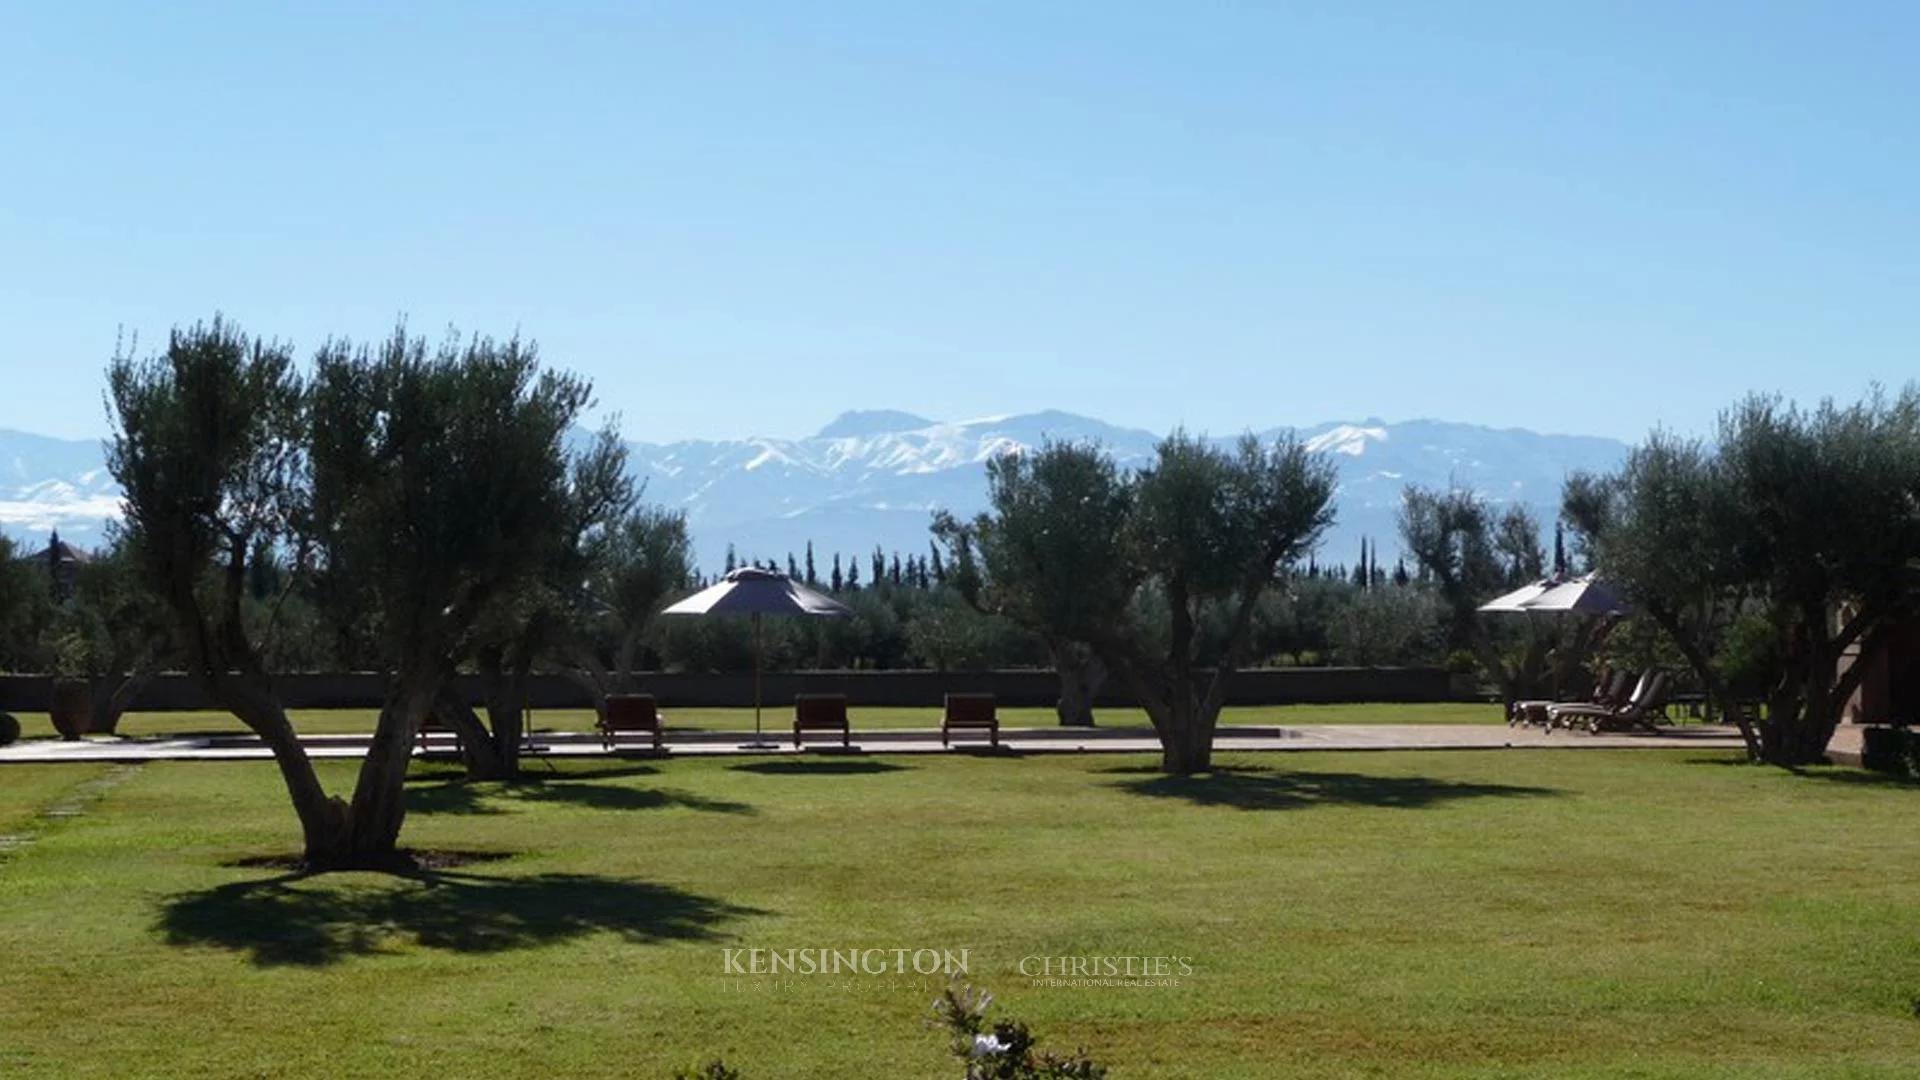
(59, 552)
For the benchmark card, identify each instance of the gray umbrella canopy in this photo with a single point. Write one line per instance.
(1582, 596)
(754, 592)
(1585, 595)
(750, 591)
(1518, 599)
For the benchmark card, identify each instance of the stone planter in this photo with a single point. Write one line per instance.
(72, 707)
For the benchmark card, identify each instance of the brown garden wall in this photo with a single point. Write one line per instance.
(1267, 686)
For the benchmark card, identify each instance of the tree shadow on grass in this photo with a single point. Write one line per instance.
(820, 767)
(1844, 775)
(1261, 788)
(310, 921)
(429, 772)
(497, 797)
(1858, 778)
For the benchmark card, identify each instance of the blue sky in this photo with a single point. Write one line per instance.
(744, 221)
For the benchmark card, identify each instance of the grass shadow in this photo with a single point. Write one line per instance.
(823, 767)
(609, 772)
(460, 796)
(1844, 775)
(310, 921)
(1259, 788)
(1852, 777)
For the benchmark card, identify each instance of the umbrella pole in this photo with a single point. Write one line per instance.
(756, 677)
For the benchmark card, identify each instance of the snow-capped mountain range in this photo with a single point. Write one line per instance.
(875, 477)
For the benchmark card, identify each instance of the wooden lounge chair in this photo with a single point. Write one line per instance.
(821, 712)
(629, 714)
(1648, 700)
(971, 712)
(1609, 689)
(1562, 714)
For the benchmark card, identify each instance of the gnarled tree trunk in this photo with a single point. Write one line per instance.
(1081, 676)
(490, 750)
(379, 796)
(324, 819)
(1186, 737)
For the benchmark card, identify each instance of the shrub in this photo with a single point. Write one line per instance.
(1387, 626)
(1004, 1050)
(9, 729)
(1000, 1051)
(1893, 750)
(1750, 657)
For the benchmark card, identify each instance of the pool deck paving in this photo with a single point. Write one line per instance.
(1013, 741)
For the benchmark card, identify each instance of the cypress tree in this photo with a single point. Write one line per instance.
(811, 578)
(733, 561)
(838, 581)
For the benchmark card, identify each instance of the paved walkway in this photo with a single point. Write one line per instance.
(902, 741)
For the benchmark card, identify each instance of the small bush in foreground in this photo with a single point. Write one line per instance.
(1004, 1050)
(9, 729)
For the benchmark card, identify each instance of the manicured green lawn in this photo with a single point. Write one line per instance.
(1496, 914)
(25, 789)
(343, 721)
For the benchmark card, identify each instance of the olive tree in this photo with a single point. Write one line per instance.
(1393, 625)
(1208, 526)
(129, 634)
(539, 618)
(207, 449)
(1664, 530)
(1049, 555)
(440, 491)
(1470, 553)
(1136, 569)
(633, 568)
(1803, 523)
(25, 601)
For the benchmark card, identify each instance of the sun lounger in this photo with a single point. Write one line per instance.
(629, 714)
(821, 712)
(971, 712)
(1610, 689)
(1647, 701)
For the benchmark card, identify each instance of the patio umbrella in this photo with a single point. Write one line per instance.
(1518, 599)
(1582, 596)
(754, 592)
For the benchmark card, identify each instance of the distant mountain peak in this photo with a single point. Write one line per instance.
(872, 477)
(859, 423)
(1349, 439)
